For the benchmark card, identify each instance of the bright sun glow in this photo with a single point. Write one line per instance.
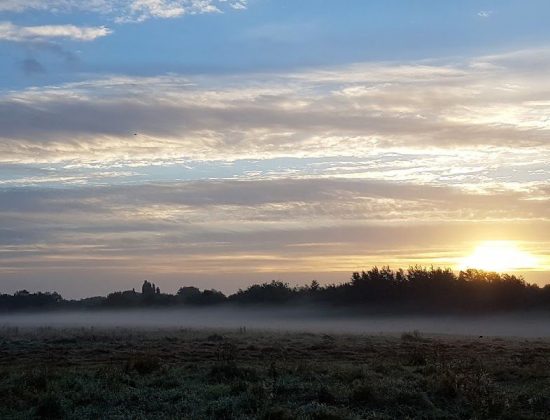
(499, 256)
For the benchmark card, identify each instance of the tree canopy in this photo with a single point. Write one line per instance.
(416, 289)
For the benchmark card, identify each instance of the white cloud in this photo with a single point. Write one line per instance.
(140, 10)
(125, 10)
(239, 5)
(56, 6)
(415, 162)
(14, 33)
(484, 13)
(493, 102)
(480, 125)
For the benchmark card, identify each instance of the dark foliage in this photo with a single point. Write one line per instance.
(417, 289)
(275, 292)
(25, 300)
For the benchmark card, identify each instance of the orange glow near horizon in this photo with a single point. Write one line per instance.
(499, 256)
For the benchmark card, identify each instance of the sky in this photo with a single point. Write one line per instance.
(220, 143)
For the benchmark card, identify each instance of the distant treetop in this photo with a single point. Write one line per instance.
(416, 289)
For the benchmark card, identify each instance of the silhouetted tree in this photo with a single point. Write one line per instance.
(314, 286)
(147, 289)
(382, 289)
(193, 296)
(274, 292)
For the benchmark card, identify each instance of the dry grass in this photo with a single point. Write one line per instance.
(90, 373)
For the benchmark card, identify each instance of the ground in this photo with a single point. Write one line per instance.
(91, 373)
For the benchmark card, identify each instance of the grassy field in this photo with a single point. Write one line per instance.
(136, 374)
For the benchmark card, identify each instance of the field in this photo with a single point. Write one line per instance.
(87, 373)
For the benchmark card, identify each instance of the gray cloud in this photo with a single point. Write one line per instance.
(30, 66)
(262, 192)
(253, 227)
(368, 164)
(315, 113)
(203, 214)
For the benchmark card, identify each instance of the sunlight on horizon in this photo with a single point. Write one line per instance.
(499, 256)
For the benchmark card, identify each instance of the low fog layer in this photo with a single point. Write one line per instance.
(520, 325)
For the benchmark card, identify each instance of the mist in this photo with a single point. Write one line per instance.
(292, 320)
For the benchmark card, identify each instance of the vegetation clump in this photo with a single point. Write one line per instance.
(144, 375)
(417, 289)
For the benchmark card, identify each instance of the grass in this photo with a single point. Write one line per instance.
(138, 374)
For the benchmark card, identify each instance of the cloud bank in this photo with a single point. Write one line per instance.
(241, 178)
(355, 110)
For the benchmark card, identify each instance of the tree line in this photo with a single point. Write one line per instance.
(417, 289)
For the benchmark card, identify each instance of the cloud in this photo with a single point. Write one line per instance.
(485, 13)
(319, 170)
(239, 5)
(242, 215)
(279, 200)
(31, 66)
(484, 102)
(14, 33)
(268, 226)
(140, 10)
(52, 48)
(125, 10)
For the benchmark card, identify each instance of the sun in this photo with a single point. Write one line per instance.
(499, 256)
